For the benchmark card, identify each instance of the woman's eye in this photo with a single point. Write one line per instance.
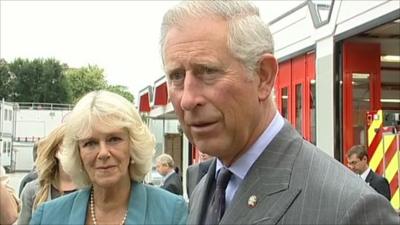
(114, 139)
(89, 144)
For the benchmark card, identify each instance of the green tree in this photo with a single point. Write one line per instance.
(121, 90)
(85, 79)
(7, 81)
(39, 80)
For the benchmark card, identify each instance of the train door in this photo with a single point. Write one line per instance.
(283, 95)
(361, 90)
(296, 93)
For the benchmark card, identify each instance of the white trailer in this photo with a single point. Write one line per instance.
(33, 121)
(7, 121)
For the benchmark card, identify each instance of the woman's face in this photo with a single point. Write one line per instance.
(105, 155)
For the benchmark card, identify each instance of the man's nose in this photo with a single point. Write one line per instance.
(192, 93)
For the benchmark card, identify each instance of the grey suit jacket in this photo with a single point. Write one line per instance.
(379, 183)
(173, 184)
(296, 183)
(194, 173)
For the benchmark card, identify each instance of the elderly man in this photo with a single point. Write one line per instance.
(357, 161)
(220, 68)
(171, 181)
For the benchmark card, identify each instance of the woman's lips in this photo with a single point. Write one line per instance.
(105, 167)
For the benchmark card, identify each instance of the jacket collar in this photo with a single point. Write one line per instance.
(136, 211)
(268, 180)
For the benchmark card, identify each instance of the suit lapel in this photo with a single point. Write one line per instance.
(195, 174)
(370, 176)
(268, 180)
(203, 169)
(201, 195)
(78, 213)
(137, 204)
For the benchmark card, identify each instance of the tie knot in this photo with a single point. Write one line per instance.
(223, 178)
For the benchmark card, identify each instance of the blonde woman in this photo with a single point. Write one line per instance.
(107, 151)
(52, 181)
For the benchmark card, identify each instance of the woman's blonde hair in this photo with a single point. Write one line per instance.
(115, 111)
(47, 164)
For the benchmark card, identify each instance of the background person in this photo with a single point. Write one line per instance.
(220, 68)
(52, 180)
(108, 151)
(357, 159)
(171, 180)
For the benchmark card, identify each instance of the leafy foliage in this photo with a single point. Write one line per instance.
(39, 80)
(7, 83)
(85, 79)
(121, 90)
(49, 81)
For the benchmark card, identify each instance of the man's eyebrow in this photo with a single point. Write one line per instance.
(169, 68)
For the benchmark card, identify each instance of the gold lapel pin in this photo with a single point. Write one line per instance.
(252, 202)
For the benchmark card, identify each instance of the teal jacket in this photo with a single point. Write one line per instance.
(147, 205)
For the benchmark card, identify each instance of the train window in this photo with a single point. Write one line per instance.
(5, 114)
(299, 108)
(284, 100)
(361, 104)
(313, 127)
(390, 84)
(4, 147)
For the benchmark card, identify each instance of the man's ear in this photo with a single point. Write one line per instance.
(267, 74)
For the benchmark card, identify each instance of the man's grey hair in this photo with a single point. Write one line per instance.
(165, 159)
(248, 37)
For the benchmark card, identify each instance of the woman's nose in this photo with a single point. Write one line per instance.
(104, 152)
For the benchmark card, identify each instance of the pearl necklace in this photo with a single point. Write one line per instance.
(94, 215)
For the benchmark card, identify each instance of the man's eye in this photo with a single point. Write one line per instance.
(208, 73)
(208, 70)
(176, 75)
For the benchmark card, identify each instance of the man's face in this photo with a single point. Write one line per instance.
(214, 96)
(357, 165)
(161, 169)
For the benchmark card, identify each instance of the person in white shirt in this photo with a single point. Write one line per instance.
(357, 161)
(171, 181)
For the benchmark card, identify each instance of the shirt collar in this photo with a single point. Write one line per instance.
(244, 163)
(365, 174)
(168, 175)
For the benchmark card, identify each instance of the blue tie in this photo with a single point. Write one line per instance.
(217, 205)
